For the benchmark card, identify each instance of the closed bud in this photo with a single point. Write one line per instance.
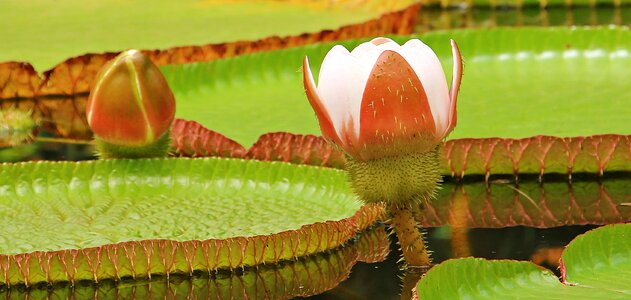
(131, 104)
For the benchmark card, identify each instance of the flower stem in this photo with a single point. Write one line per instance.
(410, 238)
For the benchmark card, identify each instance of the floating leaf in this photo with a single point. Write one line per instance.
(117, 218)
(304, 277)
(241, 32)
(538, 155)
(597, 265)
(193, 140)
(296, 148)
(545, 74)
(263, 92)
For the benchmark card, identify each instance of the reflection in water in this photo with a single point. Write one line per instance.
(304, 277)
(57, 115)
(546, 204)
(383, 280)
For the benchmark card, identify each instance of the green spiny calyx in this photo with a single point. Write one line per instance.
(159, 148)
(402, 180)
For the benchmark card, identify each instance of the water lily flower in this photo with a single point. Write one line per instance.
(384, 99)
(387, 106)
(131, 104)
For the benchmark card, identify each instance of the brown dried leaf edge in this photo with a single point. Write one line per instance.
(75, 75)
(480, 156)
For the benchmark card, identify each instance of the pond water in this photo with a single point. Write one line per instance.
(342, 274)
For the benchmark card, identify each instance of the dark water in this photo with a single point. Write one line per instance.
(382, 280)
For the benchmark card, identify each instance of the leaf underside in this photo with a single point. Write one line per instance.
(304, 277)
(246, 28)
(117, 218)
(597, 264)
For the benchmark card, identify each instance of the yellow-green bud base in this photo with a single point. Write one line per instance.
(159, 148)
(402, 180)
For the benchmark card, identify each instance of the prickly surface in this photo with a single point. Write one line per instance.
(404, 179)
(409, 236)
(159, 148)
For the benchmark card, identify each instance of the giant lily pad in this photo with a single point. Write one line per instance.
(304, 277)
(551, 76)
(540, 155)
(596, 265)
(118, 218)
(77, 27)
(169, 32)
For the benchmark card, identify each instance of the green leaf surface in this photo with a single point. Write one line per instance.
(68, 221)
(101, 202)
(600, 259)
(597, 264)
(518, 82)
(45, 33)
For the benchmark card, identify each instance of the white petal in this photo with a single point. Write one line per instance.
(427, 67)
(341, 85)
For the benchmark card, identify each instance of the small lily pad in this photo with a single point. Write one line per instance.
(597, 265)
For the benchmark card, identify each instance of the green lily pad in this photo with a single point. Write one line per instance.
(116, 218)
(597, 265)
(45, 33)
(301, 278)
(561, 81)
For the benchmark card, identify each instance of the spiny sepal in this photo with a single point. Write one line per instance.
(404, 179)
(159, 148)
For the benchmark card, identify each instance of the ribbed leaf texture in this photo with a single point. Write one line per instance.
(596, 265)
(120, 218)
(191, 139)
(304, 277)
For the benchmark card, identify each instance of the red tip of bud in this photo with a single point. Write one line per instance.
(130, 103)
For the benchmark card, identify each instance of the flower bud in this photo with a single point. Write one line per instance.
(130, 104)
